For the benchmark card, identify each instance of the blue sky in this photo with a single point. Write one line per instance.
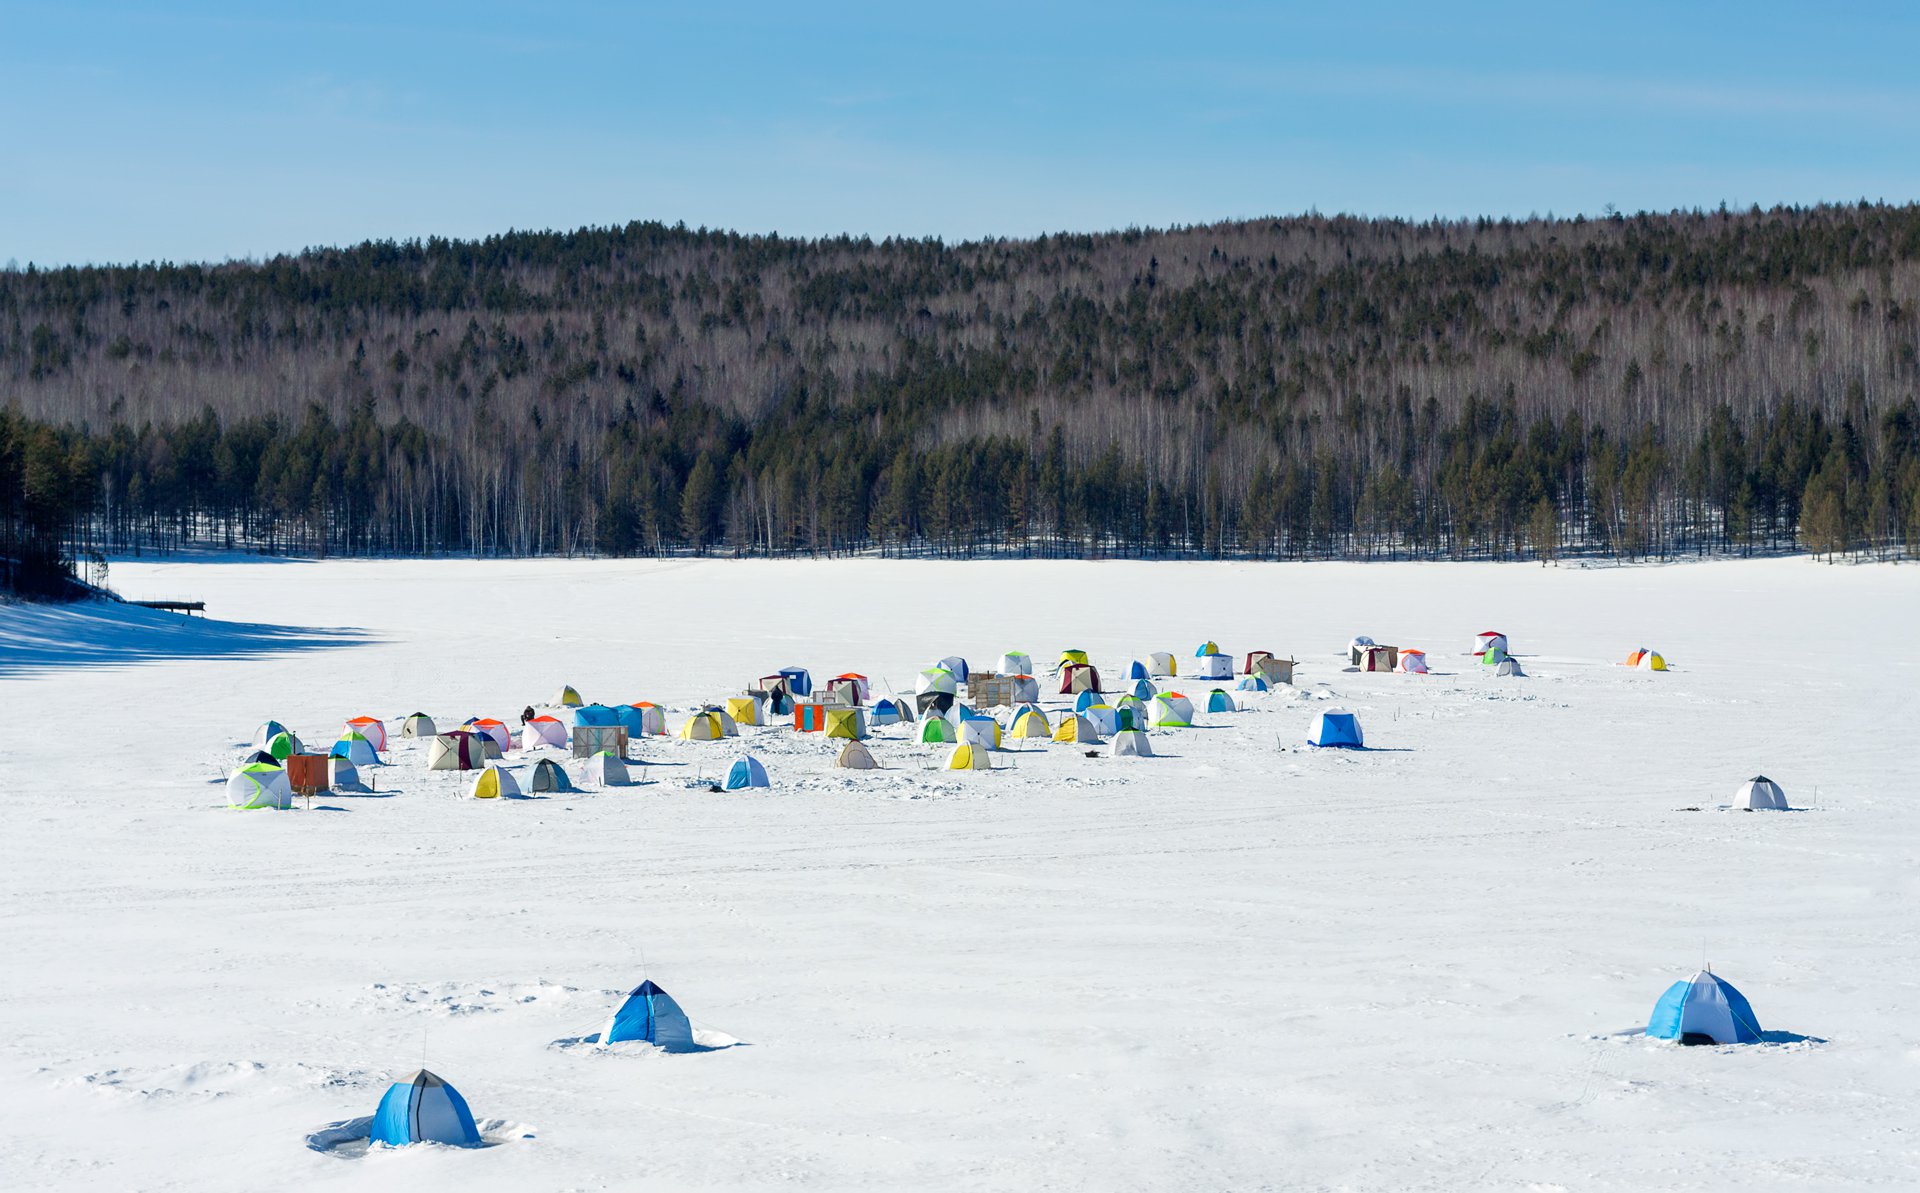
(208, 131)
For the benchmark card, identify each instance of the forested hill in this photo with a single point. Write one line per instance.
(1642, 385)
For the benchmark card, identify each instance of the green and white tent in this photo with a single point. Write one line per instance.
(938, 729)
(259, 785)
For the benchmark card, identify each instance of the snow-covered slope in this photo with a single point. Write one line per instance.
(1241, 965)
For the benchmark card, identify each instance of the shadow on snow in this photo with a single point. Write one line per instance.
(104, 634)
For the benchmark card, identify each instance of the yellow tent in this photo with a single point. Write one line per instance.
(847, 722)
(745, 710)
(568, 698)
(1071, 656)
(965, 757)
(1032, 723)
(1074, 727)
(492, 783)
(703, 726)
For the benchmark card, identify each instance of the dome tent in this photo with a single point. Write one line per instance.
(1251, 683)
(1493, 656)
(605, 769)
(1161, 662)
(492, 782)
(956, 666)
(1138, 669)
(262, 757)
(1075, 728)
(1336, 727)
(1509, 666)
(703, 726)
(649, 1014)
(1651, 660)
(1130, 742)
(855, 756)
(1760, 794)
(1219, 701)
(341, 776)
(1142, 690)
(458, 750)
(371, 728)
(938, 729)
(890, 712)
(282, 746)
(543, 731)
(417, 724)
(266, 733)
(356, 749)
(567, 697)
(1103, 717)
(1171, 710)
(259, 785)
(1086, 700)
(966, 757)
(423, 1108)
(745, 772)
(1704, 1009)
(1031, 723)
(1206, 648)
(1016, 662)
(547, 776)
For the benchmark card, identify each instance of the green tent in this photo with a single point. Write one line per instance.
(938, 729)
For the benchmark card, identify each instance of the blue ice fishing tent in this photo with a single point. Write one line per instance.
(649, 1014)
(799, 680)
(1144, 690)
(596, 714)
(1704, 1009)
(629, 718)
(1336, 727)
(1219, 701)
(1086, 700)
(746, 772)
(1138, 670)
(423, 1108)
(1252, 683)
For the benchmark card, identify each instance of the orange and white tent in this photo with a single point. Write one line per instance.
(543, 731)
(371, 728)
(1412, 662)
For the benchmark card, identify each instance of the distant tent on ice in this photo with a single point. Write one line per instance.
(1069, 658)
(955, 666)
(1647, 660)
(1130, 742)
(649, 1014)
(1085, 700)
(855, 756)
(1213, 666)
(1251, 683)
(1171, 710)
(799, 680)
(355, 748)
(1026, 689)
(1254, 659)
(847, 722)
(1355, 645)
(371, 728)
(1219, 701)
(1509, 666)
(746, 771)
(341, 776)
(1335, 727)
(282, 746)
(1486, 640)
(1102, 717)
(1760, 794)
(417, 724)
(423, 1108)
(1413, 662)
(458, 750)
(890, 712)
(966, 757)
(1075, 728)
(495, 731)
(544, 731)
(1079, 677)
(1138, 669)
(938, 729)
(1161, 663)
(259, 785)
(493, 782)
(850, 687)
(703, 726)
(1704, 1009)
(980, 731)
(595, 716)
(653, 719)
(605, 769)
(266, 733)
(1016, 662)
(567, 697)
(1031, 723)
(548, 776)
(1206, 648)
(745, 710)
(934, 689)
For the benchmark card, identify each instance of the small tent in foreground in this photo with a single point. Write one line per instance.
(1760, 794)
(649, 1014)
(1335, 727)
(1704, 1009)
(745, 772)
(259, 785)
(548, 776)
(966, 757)
(423, 1108)
(1130, 742)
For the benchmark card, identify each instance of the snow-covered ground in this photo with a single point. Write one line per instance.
(1241, 965)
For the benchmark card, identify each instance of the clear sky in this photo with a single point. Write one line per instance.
(214, 130)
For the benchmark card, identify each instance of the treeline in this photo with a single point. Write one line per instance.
(1302, 388)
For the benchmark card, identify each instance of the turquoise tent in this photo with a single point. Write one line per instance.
(1704, 1009)
(1086, 700)
(1219, 701)
(596, 714)
(746, 772)
(423, 1108)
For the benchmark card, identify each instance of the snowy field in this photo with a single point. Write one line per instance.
(1241, 965)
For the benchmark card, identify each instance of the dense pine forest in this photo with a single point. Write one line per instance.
(1633, 386)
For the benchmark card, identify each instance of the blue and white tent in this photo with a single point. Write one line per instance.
(1086, 700)
(1138, 670)
(650, 1014)
(1704, 1009)
(1336, 727)
(355, 749)
(423, 1108)
(596, 714)
(1143, 690)
(799, 680)
(746, 772)
(1219, 701)
(1252, 683)
(957, 665)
